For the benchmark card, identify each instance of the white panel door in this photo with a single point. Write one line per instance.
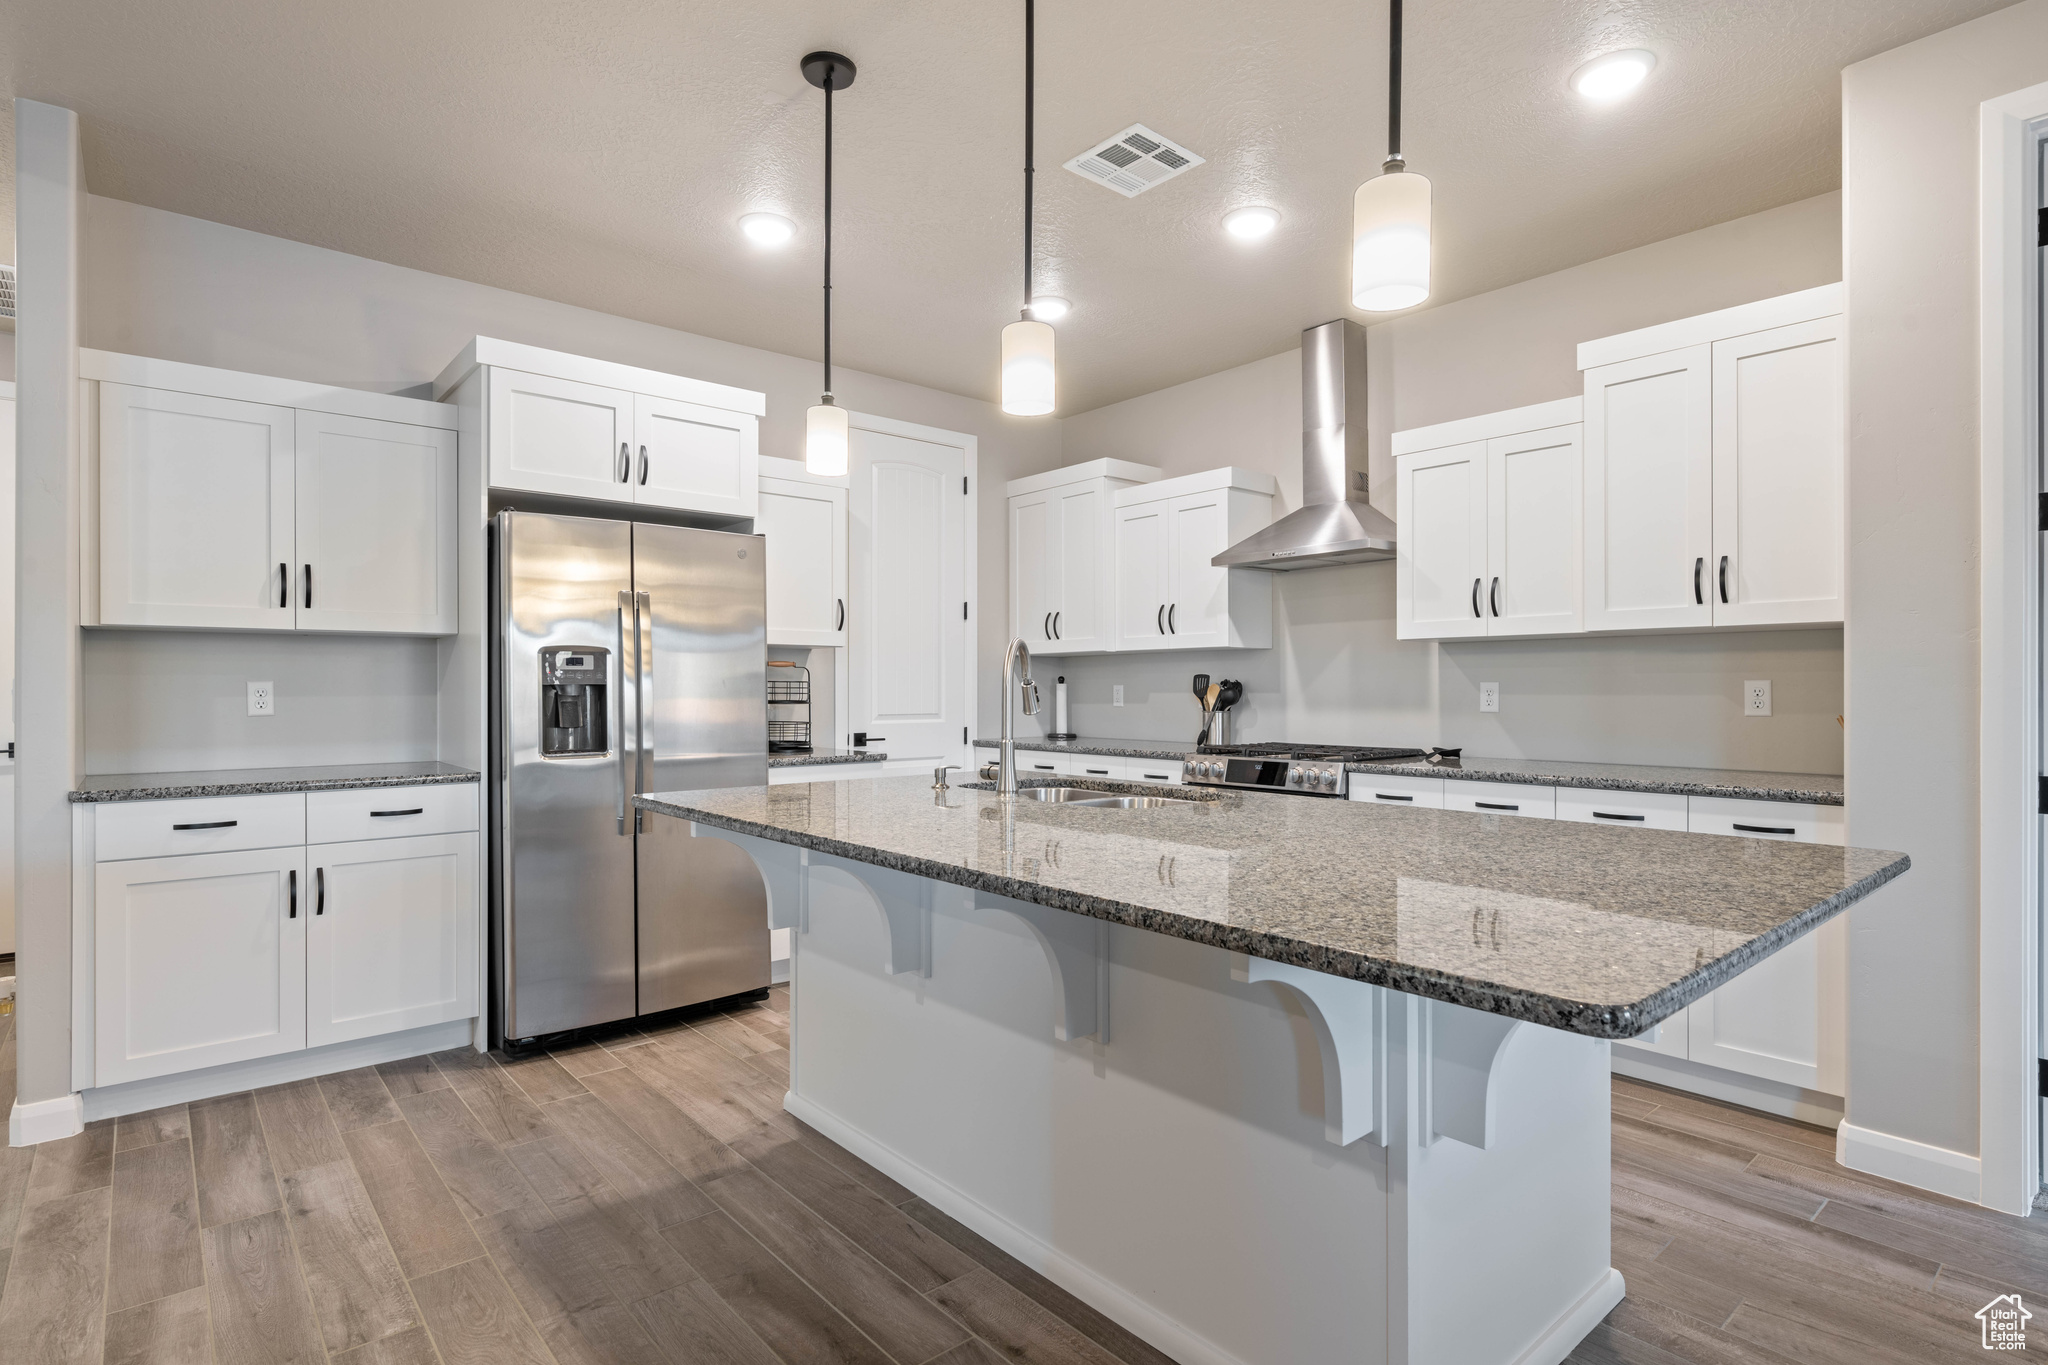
(197, 961)
(1081, 569)
(1534, 579)
(391, 929)
(1140, 547)
(1033, 554)
(376, 526)
(1778, 493)
(1197, 592)
(557, 436)
(908, 648)
(805, 524)
(695, 458)
(1766, 1022)
(1649, 491)
(1440, 559)
(196, 510)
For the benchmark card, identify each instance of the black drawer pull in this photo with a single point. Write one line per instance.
(1764, 829)
(1495, 805)
(1160, 777)
(1096, 772)
(1045, 767)
(1611, 815)
(1390, 796)
(416, 810)
(210, 824)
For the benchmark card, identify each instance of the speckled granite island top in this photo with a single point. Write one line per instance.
(262, 781)
(1580, 927)
(812, 758)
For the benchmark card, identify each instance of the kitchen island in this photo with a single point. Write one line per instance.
(1264, 1078)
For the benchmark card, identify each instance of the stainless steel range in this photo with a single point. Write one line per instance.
(1297, 769)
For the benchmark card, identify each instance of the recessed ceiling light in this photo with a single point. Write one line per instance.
(767, 229)
(1048, 308)
(1614, 75)
(1252, 223)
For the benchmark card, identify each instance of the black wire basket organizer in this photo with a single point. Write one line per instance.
(789, 693)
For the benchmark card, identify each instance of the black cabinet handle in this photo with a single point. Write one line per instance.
(1496, 594)
(1055, 625)
(291, 892)
(625, 463)
(1699, 596)
(1610, 815)
(309, 587)
(842, 614)
(416, 810)
(1764, 829)
(643, 466)
(319, 890)
(1724, 578)
(1045, 626)
(1494, 805)
(1096, 772)
(1475, 600)
(1160, 618)
(1390, 796)
(284, 585)
(1169, 620)
(210, 824)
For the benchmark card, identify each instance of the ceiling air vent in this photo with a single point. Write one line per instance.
(1134, 161)
(6, 291)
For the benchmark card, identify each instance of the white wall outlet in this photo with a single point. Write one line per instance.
(1489, 696)
(262, 699)
(1116, 694)
(1756, 698)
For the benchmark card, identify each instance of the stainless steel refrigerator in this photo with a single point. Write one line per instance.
(628, 658)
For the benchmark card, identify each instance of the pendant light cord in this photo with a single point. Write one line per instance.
(831, 79)
(1393, 83)
(1030, 112)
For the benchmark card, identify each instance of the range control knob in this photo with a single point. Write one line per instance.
(1294, 776)
(1330, 778)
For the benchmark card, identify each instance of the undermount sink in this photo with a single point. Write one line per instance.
(1084, 796)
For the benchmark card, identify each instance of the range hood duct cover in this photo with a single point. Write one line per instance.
(1334, 524)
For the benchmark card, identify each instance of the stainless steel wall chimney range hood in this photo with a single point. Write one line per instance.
(1334, 524)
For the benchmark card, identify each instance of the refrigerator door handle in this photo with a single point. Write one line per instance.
(627, 679)
(643, 718)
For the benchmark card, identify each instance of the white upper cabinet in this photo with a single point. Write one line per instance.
(1649, 491)
(569, 426)
(804, 520)
(376, 526)
(207, 509)
(1168, 594)
(1062, 555)
(196, 510)
(1489, 514)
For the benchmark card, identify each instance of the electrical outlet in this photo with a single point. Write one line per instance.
(1756, 698)
(1489, 696)
(1116, 694)
(262, 699)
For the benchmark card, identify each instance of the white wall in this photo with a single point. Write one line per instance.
(185, 289)
(1337, 673)
(1909, 131)
(7, 355)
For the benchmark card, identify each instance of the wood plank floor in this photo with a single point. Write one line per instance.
(647, 1202)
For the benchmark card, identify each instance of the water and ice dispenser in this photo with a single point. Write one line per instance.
(573, 701)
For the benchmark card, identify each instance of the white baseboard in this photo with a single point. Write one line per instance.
(1730, 1087)
(134, 1097)
(1955, 1174)
(1133, 1314)
(45, 1120)
(1582, 1317)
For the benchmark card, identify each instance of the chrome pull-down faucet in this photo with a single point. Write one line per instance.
(1016, 673)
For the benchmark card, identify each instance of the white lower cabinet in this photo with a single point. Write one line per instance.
(1392, 789)
(1151, 770)
(1636, 810)
(1501, 798)
(207, 956)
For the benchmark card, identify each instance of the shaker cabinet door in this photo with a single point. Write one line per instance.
(376, 526)
(1440, 558)
(1034, 584)
(1533, 577)
(559, 436)
(693, 458)
(1141, 588)
(1197, 592)
(391, 930)
(195, 510)
(805, 526)
(1080, 569)
(1649, 492)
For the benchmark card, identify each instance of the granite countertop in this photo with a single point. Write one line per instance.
(810, 758)
(261, 781)
(1108, 748)
(1594, 930)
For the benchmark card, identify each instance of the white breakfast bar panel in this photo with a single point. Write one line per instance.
(1176, 1162)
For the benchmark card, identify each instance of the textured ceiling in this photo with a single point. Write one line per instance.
(599, 153)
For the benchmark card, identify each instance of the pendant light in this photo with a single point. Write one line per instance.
(1390, 213)
(1027, 342)
(825, 425)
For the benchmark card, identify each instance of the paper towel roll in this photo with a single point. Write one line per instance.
(1059, 710)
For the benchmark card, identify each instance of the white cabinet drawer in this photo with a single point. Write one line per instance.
(1031, 763)
(1791, 820)
(200, 824)
(1392, 789)
(1500, 798)
(389, 812)
(1151, 770)
(1097, 766)
(1633, 810)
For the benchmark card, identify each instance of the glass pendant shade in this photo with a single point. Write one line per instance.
(825, 438)
(1390, 242)
(1027, 369)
